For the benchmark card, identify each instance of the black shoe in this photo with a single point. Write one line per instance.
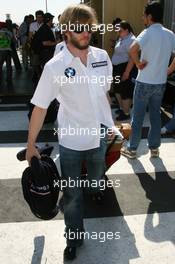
(123, 117)
(98, 197)
(69, 253)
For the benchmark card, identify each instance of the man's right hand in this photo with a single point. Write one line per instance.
(32, 151)
(141, 64)
(35, 125)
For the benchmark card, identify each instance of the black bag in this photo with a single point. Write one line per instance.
(40, 185)
(52, 112)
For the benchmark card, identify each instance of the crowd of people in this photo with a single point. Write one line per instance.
(37, 49)
(8, 49)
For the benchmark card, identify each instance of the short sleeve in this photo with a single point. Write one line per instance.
(142, 38)
(47, 89)
(131, 40)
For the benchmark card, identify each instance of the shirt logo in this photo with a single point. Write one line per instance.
(69, 72)
(99, 64)
(61, 48)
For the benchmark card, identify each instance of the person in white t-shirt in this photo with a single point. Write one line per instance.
(156, 44)
(79, 76)
(34, 26)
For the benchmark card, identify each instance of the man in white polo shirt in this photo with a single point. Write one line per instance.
(59, 47)
(77, 77)
(34, 26)
(156, 44)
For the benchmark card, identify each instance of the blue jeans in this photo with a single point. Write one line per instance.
(71, 166)
(146, 95)
(170, 126)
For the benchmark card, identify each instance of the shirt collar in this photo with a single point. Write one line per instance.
(91, 52)
(69, 57)
(156, 25)
(38, 25)
(126, 37)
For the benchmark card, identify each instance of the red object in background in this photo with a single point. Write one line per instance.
(111, 158)
(2, 24)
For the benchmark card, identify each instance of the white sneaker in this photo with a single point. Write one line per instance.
(154, 153)
(131, 154)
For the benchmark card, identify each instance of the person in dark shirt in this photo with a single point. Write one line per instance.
(6, 38)
(23, 34)
(46, 39)
(12, 27)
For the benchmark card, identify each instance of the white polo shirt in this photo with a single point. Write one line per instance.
(59, 47)
(34, 26)
(83, 102)
(157, 44)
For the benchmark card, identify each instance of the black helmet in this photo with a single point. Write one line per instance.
(40, 185)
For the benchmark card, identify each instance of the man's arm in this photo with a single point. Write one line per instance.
(134, 53)
(128, 69)
(171, 68)
(47, 90)
(35, 125)
(49, 43)
(31, 32)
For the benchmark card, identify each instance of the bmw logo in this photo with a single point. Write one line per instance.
(69, 72)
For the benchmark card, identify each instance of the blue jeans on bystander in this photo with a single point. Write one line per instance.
(146, 95)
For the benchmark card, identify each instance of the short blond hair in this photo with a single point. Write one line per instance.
(80, 13)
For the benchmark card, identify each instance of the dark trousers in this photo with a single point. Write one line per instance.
(45, 55)
(16, 59)
(5, 56)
